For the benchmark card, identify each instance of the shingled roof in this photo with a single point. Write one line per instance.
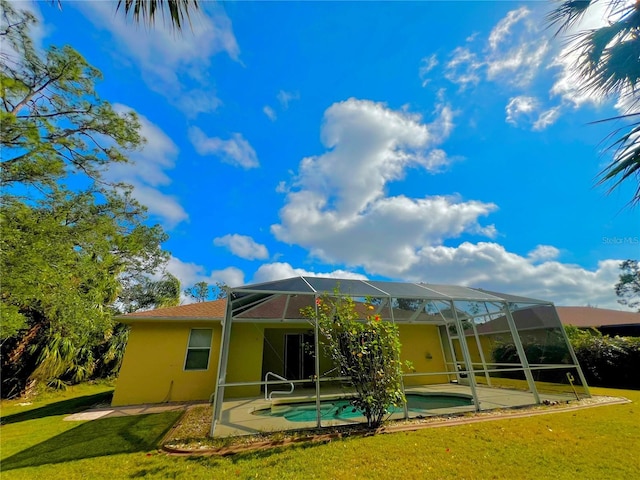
(214, 310)
(584, 317)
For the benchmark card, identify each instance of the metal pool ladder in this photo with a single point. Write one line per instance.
(267, 396)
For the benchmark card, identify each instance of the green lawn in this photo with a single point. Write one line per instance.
(595, 443)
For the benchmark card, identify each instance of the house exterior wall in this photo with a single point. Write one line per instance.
(245, 359)
(153, 366)
(419, 342)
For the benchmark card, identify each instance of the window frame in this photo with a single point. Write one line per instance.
(189, 348)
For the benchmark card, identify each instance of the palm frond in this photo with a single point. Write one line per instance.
(567, 14)
(626, 158)
(145, 10)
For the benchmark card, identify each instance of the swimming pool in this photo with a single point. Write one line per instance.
(341, 409)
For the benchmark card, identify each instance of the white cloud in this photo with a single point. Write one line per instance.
(147, 172)
(160, 204)
(546, 118)
(235, 151)
(503, 28)
(285, 98)
(490, 266)
(426, 65)
(338, 208)
(519, 65)
(230, 276)
(174, 65)
(190, 273)
(526, 111)
(277, 271)
(464, 68)
(518, 107)
(270, 113)
(242, 246)
(187, 272)
(543, 252)
(513, 54)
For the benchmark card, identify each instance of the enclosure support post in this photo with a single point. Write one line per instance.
(466, 356)
(222, 365)
(521, 353)
(482, 359)
(317, 362)
(583, 380)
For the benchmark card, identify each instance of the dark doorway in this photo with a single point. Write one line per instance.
(299, 363)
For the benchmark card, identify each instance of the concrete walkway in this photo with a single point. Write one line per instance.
(108, 411)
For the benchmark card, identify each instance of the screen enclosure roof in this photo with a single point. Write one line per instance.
(374, 288)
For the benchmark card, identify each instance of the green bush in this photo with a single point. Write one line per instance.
(607, 361)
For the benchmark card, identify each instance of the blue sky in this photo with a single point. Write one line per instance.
(442, 142)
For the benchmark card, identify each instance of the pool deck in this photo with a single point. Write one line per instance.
(238, 418)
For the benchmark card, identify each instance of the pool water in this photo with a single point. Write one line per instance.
(343, 410)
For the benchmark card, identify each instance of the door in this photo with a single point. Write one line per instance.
(299, 363)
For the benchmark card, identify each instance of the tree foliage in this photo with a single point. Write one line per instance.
(368, 352)
(146, 294)
(69, 240)
(628, 286)
(202, 291)
(608, 64)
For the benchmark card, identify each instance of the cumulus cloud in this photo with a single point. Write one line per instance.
(148, 171)
(280, 270)
(175, 66)
(230, 276)
(242, 246)
(488, 265)
(338, 207)
(236, 151)
(543, 252)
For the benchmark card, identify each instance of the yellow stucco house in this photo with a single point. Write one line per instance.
(257, 344)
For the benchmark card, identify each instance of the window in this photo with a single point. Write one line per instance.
(199, 349)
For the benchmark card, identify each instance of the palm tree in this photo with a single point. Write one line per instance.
(608, 63)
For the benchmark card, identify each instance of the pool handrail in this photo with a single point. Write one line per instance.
(267, 396)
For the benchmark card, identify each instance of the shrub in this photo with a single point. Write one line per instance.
(607, 361)
(368, 352)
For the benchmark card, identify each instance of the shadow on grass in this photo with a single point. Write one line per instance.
(64, 407)
(97, 438)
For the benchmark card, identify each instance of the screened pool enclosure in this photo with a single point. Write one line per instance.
(470, 349)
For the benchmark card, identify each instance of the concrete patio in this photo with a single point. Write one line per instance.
(238, 417)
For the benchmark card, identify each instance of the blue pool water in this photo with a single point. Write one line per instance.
(343, 410)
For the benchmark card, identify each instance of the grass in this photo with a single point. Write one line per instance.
(594, 443)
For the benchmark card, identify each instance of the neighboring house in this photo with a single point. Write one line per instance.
(190, 352)
(608, 322)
